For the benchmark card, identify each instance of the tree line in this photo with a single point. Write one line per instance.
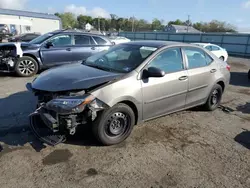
(115, 23)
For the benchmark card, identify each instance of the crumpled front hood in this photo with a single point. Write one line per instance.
(72, 77)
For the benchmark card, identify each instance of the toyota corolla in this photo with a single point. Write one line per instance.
(130, 83)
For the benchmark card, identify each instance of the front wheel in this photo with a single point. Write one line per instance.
(214, 98)
(114, 125)
(26, 66)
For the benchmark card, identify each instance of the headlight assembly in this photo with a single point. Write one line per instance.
(66, 105)
(75, 104)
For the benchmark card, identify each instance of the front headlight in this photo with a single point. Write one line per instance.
(66, 105)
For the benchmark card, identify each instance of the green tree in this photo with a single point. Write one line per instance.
(68, 20)
(83, 20)
(156, 24)
(176, 22)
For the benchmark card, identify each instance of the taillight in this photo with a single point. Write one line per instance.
(228, 67)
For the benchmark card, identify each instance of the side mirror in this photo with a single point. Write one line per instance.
(153, 72)
(49, 44)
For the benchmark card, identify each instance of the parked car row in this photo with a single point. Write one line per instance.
(127, 84)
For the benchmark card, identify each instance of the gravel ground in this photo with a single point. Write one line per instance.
(192, 148)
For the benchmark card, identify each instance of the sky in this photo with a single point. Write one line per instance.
(236, 12)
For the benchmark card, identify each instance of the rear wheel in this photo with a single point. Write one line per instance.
(214, 98)
(249, 74)
(114, 125)
(26, 66)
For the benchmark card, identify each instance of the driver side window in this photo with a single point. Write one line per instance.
(61, 40)
(169, 61)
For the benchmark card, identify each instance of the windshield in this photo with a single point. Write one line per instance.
(41, 38)
(121, 58)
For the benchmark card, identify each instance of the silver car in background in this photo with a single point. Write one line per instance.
(130, 83)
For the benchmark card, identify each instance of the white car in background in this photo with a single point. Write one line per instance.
(221, 53)
(119, 39)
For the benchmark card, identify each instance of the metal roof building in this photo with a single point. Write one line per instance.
(180, 29)
(26, 21)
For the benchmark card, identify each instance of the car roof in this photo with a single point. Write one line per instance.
(70, 31)
(158, 43)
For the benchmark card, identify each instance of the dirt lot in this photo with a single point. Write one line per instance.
(188, 149)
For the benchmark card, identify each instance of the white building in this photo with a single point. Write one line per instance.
(24, 21)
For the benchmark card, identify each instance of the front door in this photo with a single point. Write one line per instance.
(201, 70)
(58, 54)
(165, 94)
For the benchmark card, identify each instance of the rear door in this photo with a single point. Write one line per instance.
(58, 54)
(83, 47)
(201, 71)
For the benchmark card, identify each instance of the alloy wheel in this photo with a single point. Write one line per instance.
(26, 67)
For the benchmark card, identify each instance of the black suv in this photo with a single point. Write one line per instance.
(49, 50)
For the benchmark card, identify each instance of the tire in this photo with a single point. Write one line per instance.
(31, 67)
(214, 98)
(222, 58)
(249, 74)
(114, 125)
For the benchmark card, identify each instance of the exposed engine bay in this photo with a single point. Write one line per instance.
(9, 54)
(63, 112)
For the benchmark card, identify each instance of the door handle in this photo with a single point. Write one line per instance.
(183, 78)
(68, 49)
(213, 70)
(93, 48)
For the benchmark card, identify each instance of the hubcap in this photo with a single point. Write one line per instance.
(215, 97)
(117, 124)
(26, 67)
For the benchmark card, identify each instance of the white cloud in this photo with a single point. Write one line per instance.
(95, 12)
(75, 9)
(239, 20)
(246, 4)
(99, 12)
(13, 4)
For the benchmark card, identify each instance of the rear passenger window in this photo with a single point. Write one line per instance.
(99, 40)
(83, 40)
(197, 58)
(215, 48)
(169, 61)
(209, 48)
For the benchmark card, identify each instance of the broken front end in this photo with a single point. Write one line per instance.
(9, 54)
(63, 112)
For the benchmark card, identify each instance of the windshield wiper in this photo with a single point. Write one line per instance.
(99, 67)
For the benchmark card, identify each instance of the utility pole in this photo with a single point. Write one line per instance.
(133, 22)
(188, 23)
(99, 24)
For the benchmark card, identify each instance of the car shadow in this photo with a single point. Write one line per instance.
(240, 79)
(243, 139)
(14, 122)
(245, 109)
(15, 129)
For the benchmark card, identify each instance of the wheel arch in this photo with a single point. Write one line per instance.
(222, 84)
(134, 104)
(133, 107)
(33, 57)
